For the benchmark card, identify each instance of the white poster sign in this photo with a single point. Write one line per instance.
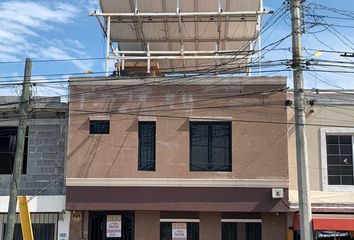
(114, 226)
(179, 231)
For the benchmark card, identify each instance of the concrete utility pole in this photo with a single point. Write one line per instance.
(20, 145)
(306, 232)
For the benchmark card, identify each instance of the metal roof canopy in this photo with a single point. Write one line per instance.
(182, 35)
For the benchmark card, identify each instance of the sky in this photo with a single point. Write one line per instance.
(62, 29)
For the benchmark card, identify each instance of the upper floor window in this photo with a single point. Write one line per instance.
(210, 146)
(339, 159)
(8, 140)
(147, 146)
(99, 126)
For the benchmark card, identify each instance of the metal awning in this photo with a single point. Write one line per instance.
(329, 222)
(181, 34)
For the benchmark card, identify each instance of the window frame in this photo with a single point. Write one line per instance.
(240, 220)
(324, 164)
(99, 120)
(153, 169)
(25, 151)
(209, 123)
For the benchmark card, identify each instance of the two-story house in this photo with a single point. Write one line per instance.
(42, 178)
(178, 158)
(330, 131)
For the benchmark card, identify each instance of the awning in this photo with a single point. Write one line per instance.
(344, 224)
(218, 199)
(331, 222)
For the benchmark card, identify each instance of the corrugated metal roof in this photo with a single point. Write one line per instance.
(188, 33)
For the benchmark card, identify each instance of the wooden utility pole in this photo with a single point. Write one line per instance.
(20, 145)
(301, 142)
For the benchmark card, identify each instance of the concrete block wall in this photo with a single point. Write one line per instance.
(45, 160)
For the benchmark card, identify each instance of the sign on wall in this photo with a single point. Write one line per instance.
(179, 231)
(114, 226)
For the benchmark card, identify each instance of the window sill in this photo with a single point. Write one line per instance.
(211, 171)
(338, 188)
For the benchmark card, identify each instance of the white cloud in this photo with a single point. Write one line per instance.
(92, 5)
(26, 25)
(57, 53)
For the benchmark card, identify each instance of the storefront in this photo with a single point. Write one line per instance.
(49, 219)
(168, 213)
(328, 226)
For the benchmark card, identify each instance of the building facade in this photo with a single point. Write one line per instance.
(42, 178)
(171, 158)
(329, 133)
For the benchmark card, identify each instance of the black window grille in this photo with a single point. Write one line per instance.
(99, 126)
(166, 231)
(253, 231)
(229, 231)
(210, 146)
(8, 140)
(41, 231)
(340, 159)
(147, 146)
(241, 230)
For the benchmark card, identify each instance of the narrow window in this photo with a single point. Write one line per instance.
(147, 146)
(253, 231)
(340, 159)
(229, 230)
(99, 126)
(8, 140)
(210, 146)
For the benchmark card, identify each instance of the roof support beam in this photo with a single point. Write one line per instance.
(178, 10)
(166, 29)
(186, 14)
(185, 52)
(179, 57)
(138, 24)
(104, 32)
(219, 26)
(108, 42)
(196, 29)
(163, 40)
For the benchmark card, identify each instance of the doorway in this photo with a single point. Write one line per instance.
(100, 225)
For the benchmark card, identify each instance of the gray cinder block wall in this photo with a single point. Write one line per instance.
(47, 135)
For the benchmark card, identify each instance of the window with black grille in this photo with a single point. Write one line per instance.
(340, 159)
(241, 230)
(147, 146)
(229, 231)
(99, 126)
(210, 146)
(40, 231)
(8, 140)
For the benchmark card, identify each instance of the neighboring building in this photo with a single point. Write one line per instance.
(329, 132)
(151, 159)
(43, 171)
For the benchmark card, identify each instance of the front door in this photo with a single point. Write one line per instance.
(117, 224)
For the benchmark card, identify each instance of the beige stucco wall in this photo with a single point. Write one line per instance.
(274, 226)
(210, 225)
(259, 149)
(147, 225)
(325, 116)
